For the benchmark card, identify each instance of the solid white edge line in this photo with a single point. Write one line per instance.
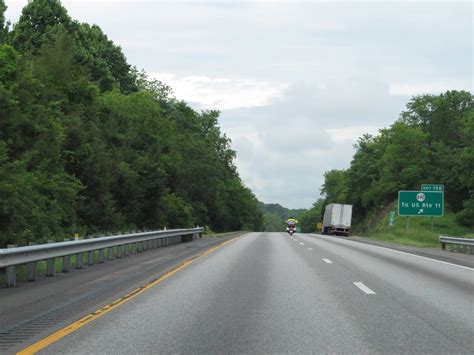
(404, 252)
(364, 288)
(327, 261)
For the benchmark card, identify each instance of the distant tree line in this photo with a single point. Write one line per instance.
(275, 215)
(90, 144)
(431, 142)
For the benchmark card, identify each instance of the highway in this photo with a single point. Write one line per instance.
(270, 293)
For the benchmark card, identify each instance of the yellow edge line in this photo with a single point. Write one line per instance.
(61, 333)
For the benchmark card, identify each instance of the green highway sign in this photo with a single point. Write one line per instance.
(432, 187)
(421, 203)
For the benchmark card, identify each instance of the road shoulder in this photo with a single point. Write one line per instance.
(466, 260)
(35, 309)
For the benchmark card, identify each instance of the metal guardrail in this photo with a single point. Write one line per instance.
(464, 242)
(123, 245)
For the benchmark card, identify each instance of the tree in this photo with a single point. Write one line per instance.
(431, 142)
(39, 22)
(398, 170)
(86, 145)
(309, 219)
(272, 222)
(444, 118)
(335, 186)
(105, 60)
(3, 24)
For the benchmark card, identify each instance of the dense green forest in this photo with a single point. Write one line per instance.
(90, 144)
(431, 142)
(275, 215)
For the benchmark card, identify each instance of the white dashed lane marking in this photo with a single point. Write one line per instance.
(310, 248)
(301, 243)
(364, 288)
(327, 261)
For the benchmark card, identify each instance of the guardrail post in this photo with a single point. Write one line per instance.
(66, 263)
(79, 260)
(101, 255)
(140, 247)
(32, 268)
(110, 254)
(10, 271)
(50, 264)
(119, 251)
(126, 249)
(90, 258)
(443, 246)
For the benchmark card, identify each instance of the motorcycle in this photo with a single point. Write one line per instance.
(291, 230)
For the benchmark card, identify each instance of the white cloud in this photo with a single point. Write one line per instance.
(222, 93)
(350, 134)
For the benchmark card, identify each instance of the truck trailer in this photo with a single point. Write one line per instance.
(337, 219)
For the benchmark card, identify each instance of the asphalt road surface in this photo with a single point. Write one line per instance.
(269, 293)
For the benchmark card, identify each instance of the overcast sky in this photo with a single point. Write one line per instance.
(296, 82)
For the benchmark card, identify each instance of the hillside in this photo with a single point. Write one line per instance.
(418, 233)
(90, 144)
(431, 142)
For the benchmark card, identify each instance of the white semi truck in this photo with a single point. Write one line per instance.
(337, 219)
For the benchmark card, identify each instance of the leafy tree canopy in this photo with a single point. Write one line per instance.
(432, 142)
(88, 144)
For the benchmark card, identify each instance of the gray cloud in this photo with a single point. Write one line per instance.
(284, 149)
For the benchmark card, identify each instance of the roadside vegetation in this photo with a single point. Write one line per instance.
(419, 231)
(431, 142)
(89, 143)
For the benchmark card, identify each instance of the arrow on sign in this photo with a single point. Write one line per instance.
(420, 211)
